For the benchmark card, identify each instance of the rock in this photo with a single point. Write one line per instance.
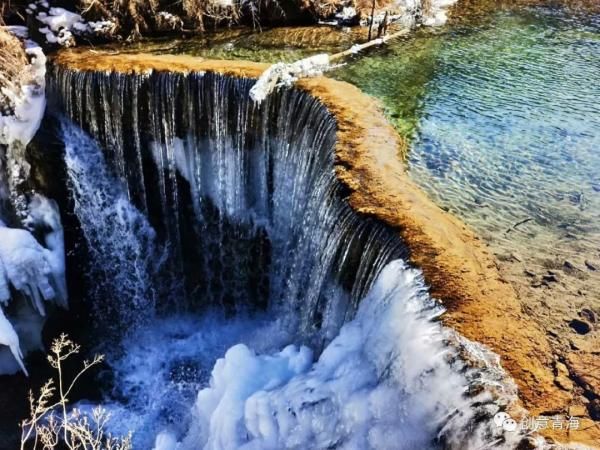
(561, 369)
(588, 314)
(561, 378)
(527, 443)
(564, 383)
(577, 411)
(552, 333)
(580, 326)
(516, 257)
(550, 278)
(569, 265)
(590, 265)
(585, 370)
(529, 273)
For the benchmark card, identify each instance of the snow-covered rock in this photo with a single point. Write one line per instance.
(37, 272)
(282, 74)
(29, 101)
(347, 14)
(168, 21)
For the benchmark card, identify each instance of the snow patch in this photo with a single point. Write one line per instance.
(169, 21)
(29, 102)
(60, 26)
(347, 14)
(282, 74)
(437, 14)
(19, 31)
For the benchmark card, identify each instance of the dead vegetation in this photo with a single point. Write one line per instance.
(135, 18)
(52, 423)
(13, 70)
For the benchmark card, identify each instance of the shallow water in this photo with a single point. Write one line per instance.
(510, 130)
(504, 123)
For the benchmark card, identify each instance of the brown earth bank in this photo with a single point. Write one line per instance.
(459, 268)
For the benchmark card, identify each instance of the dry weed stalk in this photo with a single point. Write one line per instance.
(50, 424)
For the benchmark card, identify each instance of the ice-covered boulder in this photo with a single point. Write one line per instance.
(34, 271)
(28, 100)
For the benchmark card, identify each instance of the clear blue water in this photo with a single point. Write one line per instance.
(509, 129)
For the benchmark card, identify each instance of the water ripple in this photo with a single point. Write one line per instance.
(511, 126)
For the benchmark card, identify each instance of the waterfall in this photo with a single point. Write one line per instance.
(125, 258)
(298, 324)
(245, 195)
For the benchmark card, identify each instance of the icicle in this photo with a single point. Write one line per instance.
(8, 337)
(43, 213)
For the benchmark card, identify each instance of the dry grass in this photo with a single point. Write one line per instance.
(135, 18)
(52, 426)
(13, 69)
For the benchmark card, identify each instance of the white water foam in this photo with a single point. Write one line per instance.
(387, 381)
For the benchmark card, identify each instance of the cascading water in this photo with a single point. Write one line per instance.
(246, 201)
(253, 188)
(121, 243)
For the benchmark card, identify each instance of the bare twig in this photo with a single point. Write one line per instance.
(72, 429)
(514, 227)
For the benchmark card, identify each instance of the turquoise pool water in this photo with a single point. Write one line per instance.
(509, 129)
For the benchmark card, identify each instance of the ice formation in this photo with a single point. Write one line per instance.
(384, 382)
(8, 337)
(387, 381)
(282, 74)
(35, 271)
(29, 103)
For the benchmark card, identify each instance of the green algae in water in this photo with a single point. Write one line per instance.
(268, 46)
